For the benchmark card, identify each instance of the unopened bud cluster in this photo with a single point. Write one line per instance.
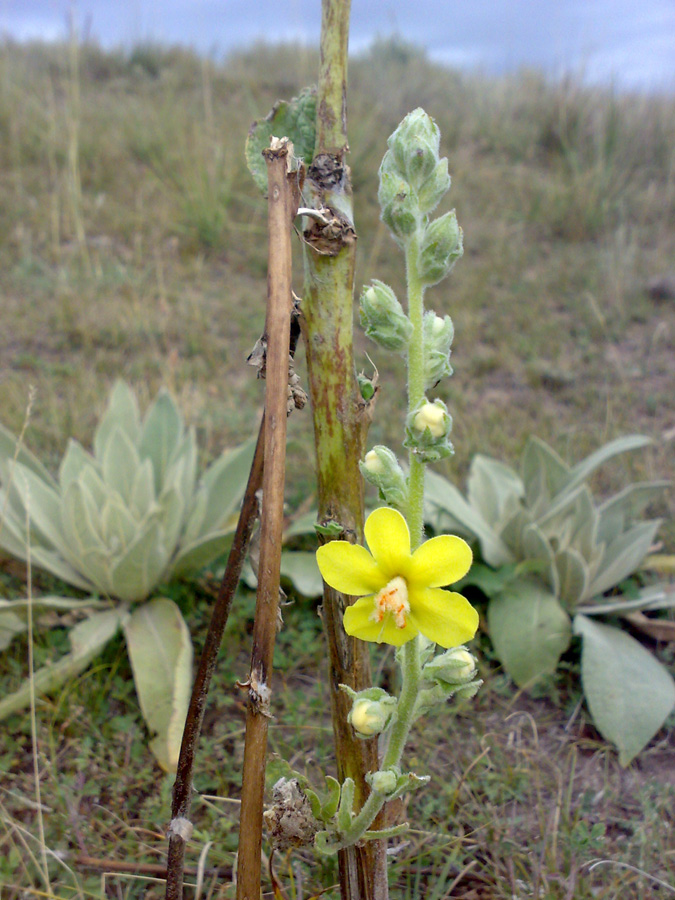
(427, 430)
(381, 468)
(413, 180)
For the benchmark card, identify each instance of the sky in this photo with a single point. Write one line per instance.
(628, 43)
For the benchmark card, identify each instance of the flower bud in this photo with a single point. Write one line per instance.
(381, 468)
(454, 667)
(371, 712)
(427, 430)
(435, 187)
(433, 417)
(383, 318)
(383, 782)
(415, 145)
(400, 210)
(438, 335)
(440, 249)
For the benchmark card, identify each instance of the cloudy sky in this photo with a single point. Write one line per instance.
(627, 42)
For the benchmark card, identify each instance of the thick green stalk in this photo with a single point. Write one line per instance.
(340, 417)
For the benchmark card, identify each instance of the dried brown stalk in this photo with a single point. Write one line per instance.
(282, 206)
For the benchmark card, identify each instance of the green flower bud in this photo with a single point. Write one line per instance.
(435, 187)
(454, 667)
(438, 335)
(427, 430)
(440, 249)
(384, 782)
(400, 210)
(468, 691)
(383, 318)
(415, 145)
(381, 468)
(371, 712)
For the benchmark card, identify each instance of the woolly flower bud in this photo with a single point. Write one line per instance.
(381, 468)
(454, 667)
(435, 187)
(369, 717)
(440, 249)
(415, 145)
(400, 209)
(431, 416)
(383, 318)
(383, 782)
(438, 335)
(427, 430)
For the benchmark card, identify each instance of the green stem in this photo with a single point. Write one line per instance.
(415, 388)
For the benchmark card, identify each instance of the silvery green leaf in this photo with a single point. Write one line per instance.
(12, 531)
(536, 547)
(160, 651)
(629, 693)
(161, 433)
(294, 119)
(42, 505)
(529, 630)
(571, 520)
(626, 505)
(53, 562)
(142, 497)
(224, 483)
(544, 474)
(171, 507)
(118, 526)
(572, 577)
(651, 598)
(512, 532)
(74, 461)
(40, 604)
(182, 471)
(11, 451)
(142, 565)
(10, 626)
(444, 498)
(623, 556)
(120, 463)
(80, 520)
(193, 527)
(194, 556)
(90, 478)
(300, 568)
(87, 639)
(121, 412)
(492, 488)
(586, 467)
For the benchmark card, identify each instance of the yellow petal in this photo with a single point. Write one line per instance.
(358, 623)
(389, 541)
(443, 616)
(349, 568)
(439, 561)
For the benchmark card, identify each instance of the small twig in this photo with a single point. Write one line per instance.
(282, 203)
(182, 789)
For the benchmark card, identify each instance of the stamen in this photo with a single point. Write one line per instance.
(393, 598)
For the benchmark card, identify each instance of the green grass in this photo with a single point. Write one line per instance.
(147, 260)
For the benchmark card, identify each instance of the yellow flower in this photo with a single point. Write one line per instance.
(401, 592)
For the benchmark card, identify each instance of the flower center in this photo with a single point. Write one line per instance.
(393, 598)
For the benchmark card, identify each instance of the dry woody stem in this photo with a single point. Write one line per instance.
(282, 205)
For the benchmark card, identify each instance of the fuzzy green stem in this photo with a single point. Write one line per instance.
(415, 387)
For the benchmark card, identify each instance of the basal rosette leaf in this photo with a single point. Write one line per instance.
(529, 630)
(629, 693)
(121, 412)
(160, 651)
